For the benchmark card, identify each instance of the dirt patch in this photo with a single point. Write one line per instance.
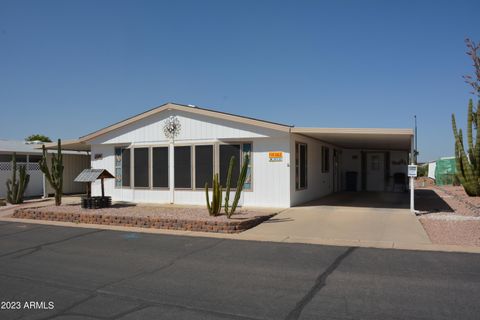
(449, 215)
(465, 233)
(164, 217)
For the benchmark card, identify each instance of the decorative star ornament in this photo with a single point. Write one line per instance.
(171, 127)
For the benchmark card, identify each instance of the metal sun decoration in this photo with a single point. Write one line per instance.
(171, 127)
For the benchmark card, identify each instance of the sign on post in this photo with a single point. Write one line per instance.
(412, 170)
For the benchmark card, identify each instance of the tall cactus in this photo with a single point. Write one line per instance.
(16, 188)
(238, 192)
(468, 163)
(54, 174)
(216, 204)
(231, 165)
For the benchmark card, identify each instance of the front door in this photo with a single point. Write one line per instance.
(375, 172)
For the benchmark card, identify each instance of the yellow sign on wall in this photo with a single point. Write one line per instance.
(275, 156)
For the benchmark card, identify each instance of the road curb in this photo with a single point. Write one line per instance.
(265, 238)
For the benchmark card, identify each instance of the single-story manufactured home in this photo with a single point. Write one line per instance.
(29, 154)
(289, 165)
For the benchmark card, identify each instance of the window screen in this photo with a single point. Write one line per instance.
(325, 159)
(21, 158)
(183, 167)
(303, 166)
(160, 167)
(203, 166)
(5, 158)
(34, 158)
(226, 152)
(126, 167)
(300, 166)
(140, 166)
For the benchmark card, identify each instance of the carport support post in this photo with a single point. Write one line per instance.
(412, 192)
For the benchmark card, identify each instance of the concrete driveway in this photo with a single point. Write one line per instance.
(379, 218)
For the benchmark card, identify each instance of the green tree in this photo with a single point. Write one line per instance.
(38, 137)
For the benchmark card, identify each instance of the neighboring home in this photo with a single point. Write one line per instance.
(289, 165)
(29, 154)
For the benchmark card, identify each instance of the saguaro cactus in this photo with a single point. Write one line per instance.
(238, 192)
(16, 188)
(468, 163)
(216, 204)
(54, 174)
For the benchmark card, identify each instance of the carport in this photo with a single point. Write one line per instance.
(366, 159)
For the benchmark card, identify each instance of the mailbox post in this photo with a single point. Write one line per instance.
(412, 174)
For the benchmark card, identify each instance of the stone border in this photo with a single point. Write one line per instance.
(232, 226)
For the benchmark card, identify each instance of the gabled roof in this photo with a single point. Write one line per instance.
(191, 109)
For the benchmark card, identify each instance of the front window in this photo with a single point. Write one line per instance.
(300, 166)
(325, 159)
(160, 167)
(183, 167)
(239, 151)
(122, 167)
(141, 168)
(203, 166)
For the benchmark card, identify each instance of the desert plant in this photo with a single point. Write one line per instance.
(231, 165)
(468, 162)
(216, 204)
(240, 184)
(16, 188)
(54, 174)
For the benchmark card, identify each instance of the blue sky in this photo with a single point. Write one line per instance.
(71, 67)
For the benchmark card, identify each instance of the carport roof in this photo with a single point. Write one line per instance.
(361, 138)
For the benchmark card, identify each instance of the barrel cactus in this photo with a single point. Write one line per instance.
(468, 162)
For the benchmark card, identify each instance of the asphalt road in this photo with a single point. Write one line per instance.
(97, 274)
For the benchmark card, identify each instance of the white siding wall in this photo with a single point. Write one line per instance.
(271, 183)
(319, 183)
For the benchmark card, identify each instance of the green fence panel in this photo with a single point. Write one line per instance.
(445, 171)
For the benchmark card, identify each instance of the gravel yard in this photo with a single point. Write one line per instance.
(159, 211)
(449, 215)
